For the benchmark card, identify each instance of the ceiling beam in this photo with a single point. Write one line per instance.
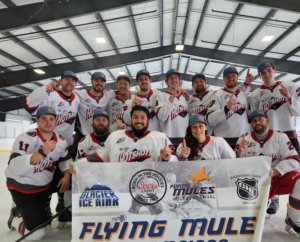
(162, 65)
(8, 3)
(205, 66)
(14, 59)
(280, 76)
(296, 80)
(186, 22)
(24, 88)
(291, 53)
(14, 18)
(178, 62)
(175, 21)
(187, 65)
(229, 24)
(128, 72)
(201, 20)
(161, 25)
(280, 38)
(262, 23)
(135, 32)
(37, 84)
(221, 71)
(10, 92)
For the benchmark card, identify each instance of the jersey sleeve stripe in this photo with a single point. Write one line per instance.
(94, 158)
(13, 155)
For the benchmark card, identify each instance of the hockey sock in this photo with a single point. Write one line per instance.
(60, 197)
(19, 225)
(294, 202)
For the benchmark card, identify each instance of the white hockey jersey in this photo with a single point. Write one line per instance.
(199, 104)
(173, 116)
(65, 109)
(235, 122)
(121, 146)
(26, 178)
(278, 108)
(149, 102)
(213, 148)
(115, 111)
(90, 144)
(88, 105)
(277, 146)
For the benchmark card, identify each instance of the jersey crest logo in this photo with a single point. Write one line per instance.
(200, 176)
(44, 164)
(65, 117)
(120, 140)
(238, 108)
(135, 156)
(211, 103)
(201, 109)
(60, 104)
(88, 100)
(32, 134)
(92, 148)
(90, 112)
(114, 104)
(273, 103)
(179, 111)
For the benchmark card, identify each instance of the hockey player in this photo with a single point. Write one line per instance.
(91, 143)
(64, 102)
(228, 109)
(263, 141)
(115, 106)
(30, 171)
(172, 109)
(197, 146)
(199, 102)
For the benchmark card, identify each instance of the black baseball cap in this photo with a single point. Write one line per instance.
(173, 71)
(69, 74)
(142, 72)
(256, 113)
(264, 64)
(98, 74)
(45, 110)
(198, 75)
(99, 112)
(230, 69)
(123, 77)
(197, 118)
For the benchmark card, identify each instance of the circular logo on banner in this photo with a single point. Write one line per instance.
(147, 187)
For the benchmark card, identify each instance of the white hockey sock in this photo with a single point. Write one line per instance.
(294, 204)
(19, 225)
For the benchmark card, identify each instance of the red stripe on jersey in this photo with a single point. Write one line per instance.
(92, 96)
(28, 108)
(276, 85)
(295, 157)
(271, 132)
(64, 98)
(99, 157)
(27, 191)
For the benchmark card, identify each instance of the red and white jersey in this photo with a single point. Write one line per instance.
(213, 148)
(90, 144)
(89, 104)
(147, 101)
(278, 108)
(173, 116)
(234, 123)
(115, 111)
(26, 178)
(65, 109)
(121, 146)
(199, 104)
(277, 146)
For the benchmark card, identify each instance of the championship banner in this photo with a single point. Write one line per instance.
(194, 201)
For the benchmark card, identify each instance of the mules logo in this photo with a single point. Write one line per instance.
(247, 189)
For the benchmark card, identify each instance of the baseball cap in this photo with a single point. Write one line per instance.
(264, 64)
(142, 72)
(99, 112)
(198, 75)
(173, 71)
(123, 77)
(98, 75)
(45, 110)
(70, 74)
(256, 113)
(197, 118)
(230, 69)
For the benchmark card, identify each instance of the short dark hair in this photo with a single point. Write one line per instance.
(140, 108)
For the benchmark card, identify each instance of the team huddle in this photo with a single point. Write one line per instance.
(150, 125)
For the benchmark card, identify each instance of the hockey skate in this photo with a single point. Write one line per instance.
(13, 214)
(291, 227)
(273, 207)
(59, 207)
(64, 218)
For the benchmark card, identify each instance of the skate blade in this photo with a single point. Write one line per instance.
(63, 225)
(270, 216)
(291, 231)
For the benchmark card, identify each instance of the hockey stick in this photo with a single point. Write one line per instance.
(44, 224)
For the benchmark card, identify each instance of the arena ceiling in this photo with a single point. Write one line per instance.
(58, 35)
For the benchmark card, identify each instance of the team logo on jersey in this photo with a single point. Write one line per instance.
(211, 103)
(120, 140)
(98, 195)
(179, 111)
(262, 93)
(273, 156)
(114, 104)
(90, 112)
(247, 189)
(273, 103)
(88, 100)
(60, 104)
(65, 117)
(201, 109)
(92, 147)
(237, 108)
(147, 187)
(32, 134)
(44, 164)
(135, 155)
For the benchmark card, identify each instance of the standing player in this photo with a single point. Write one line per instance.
(228, 109)
(197, 146)
(263, 141)
(199, 102)
(30, 170)
(172, 109)
(92, 142)
(115, 106)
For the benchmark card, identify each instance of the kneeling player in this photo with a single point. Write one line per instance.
(285, 161)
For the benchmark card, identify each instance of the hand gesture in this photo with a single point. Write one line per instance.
(185, 151)
(136, 101)
(231, 101)
(273, 172)
(174, 94)
(249, 77)
(71, 169)
(52, 86)
(243, 146)
(165, 153)
(64, 184)
(285, 92)
(49, 145)
(185, 94)
(120, 125)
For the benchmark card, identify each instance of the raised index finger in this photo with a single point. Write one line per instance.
(248, 72)
(166, 143)
(184, 143)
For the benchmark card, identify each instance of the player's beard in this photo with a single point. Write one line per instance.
(139, 132)
(98, 89)
(231, 84)
(100, 129)
(200, 89)
(262, 128)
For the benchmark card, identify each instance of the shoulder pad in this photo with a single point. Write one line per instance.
(32, 133)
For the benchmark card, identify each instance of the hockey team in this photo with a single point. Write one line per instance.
(174, 125)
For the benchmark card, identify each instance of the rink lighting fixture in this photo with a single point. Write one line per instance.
(179, 47)
(39, 71)
(121, 73)
(100, 40)
(267, 38)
